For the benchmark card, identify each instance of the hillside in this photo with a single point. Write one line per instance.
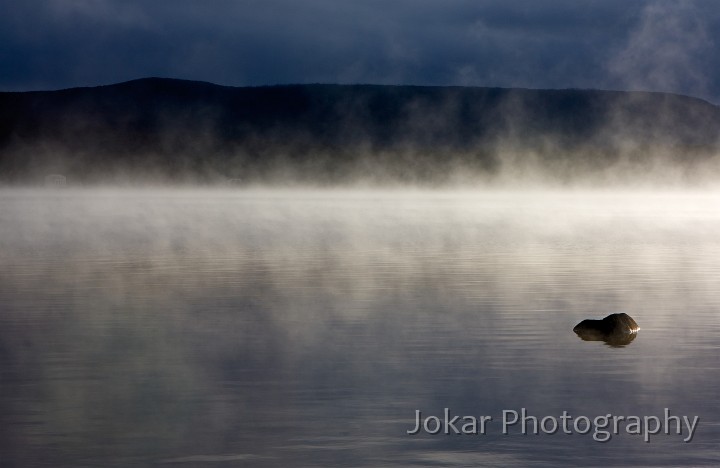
(172, 130)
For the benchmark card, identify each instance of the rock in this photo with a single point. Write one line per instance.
(615, 329)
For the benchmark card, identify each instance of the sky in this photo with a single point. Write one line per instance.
(652, 45)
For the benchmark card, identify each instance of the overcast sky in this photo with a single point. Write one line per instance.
(608, 44)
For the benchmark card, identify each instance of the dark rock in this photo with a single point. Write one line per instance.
(614, 330)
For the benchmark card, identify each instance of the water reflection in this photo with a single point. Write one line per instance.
(616, 339)
(279, 329)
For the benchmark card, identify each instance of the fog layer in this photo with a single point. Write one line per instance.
(170, 131)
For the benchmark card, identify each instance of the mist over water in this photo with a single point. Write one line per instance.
(169, 131)
(279, 327)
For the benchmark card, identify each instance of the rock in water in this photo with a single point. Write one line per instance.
(615, 329)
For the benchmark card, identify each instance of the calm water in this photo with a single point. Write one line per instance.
(256, 328)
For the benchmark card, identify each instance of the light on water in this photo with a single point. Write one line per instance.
(280, 328)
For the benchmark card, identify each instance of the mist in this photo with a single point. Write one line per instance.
(311, 221)
(192, 326)
(159, 131)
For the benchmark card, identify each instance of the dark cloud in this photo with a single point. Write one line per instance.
(653, 44)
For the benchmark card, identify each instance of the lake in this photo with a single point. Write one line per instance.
(199, 327)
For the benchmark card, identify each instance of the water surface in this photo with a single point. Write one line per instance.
(287, 328)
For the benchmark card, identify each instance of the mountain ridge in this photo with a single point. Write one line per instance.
(171, 129)
(162, 80)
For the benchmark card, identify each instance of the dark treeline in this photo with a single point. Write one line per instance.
(173, 130)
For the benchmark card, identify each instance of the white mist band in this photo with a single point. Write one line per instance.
(603, 427)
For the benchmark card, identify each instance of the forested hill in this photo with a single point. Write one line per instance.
(166, 129)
